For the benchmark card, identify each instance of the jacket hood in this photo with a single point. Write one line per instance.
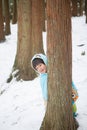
(40, 56)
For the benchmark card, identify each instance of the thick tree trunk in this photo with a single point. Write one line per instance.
(59, 50)
(30, 26)
(24, 46)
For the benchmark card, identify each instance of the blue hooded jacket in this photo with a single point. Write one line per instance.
(43, 76)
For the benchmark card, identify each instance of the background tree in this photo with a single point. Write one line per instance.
(14, 16)
(81, 7)
(7, 17)
(37, 26)
(30, 26)
(59, 51)
(24, 45)
(2, 36)
(86, 9)
(74, 7)
(44, 14)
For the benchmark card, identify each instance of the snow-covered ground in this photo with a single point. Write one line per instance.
(21, 104)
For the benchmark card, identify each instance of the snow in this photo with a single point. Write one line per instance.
(21, 104)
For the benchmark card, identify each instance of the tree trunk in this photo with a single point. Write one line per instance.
(74, 7)
(43, 15)
(59, 115)
(2, 36)
(14, 16)
(7, 17)
(30, 25)
(81, 7)
(86, 9)
(24, 46)
(37, 26)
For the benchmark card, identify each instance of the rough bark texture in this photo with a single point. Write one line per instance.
(59, 51)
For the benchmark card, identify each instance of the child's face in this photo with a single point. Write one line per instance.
(41, 68)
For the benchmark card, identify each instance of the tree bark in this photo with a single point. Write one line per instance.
(37, 26)
(30, 26)
(58, 115)
(24, 45)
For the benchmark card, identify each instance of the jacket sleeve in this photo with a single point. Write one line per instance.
(43, 82)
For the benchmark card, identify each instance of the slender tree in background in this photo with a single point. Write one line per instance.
(37, 26)
(2, 36)
(81, 7)
(74, 7)
(86, 9)
(58, 115)
(7, 17)
(14, 16)
(44, 14)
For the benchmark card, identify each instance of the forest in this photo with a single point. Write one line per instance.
(32, 19)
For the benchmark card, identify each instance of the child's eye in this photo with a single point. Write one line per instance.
(40, 65)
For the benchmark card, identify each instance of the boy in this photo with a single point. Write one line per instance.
(39, 64)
